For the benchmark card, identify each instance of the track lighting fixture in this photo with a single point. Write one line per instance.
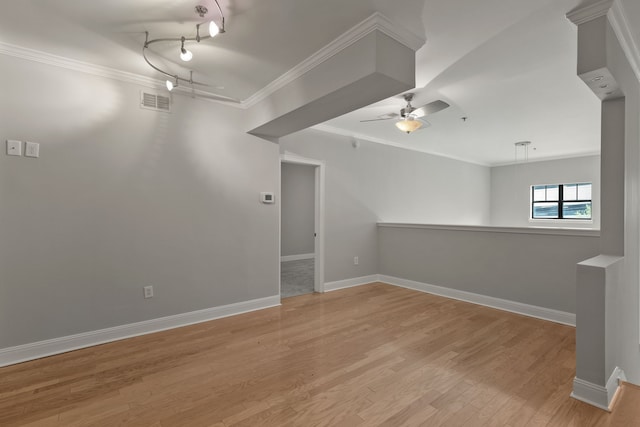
(170, 85)
(185, 54)
(214, 30)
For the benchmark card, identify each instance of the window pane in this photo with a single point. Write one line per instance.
(576, 210)
(552, 192)
(539, 193)
(570, 192)
(545, 210)
(584, 192)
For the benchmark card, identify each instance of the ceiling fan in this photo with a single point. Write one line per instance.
(410, 116)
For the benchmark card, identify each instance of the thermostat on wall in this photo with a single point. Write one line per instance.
(267, 197)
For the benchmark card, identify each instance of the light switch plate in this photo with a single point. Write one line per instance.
(14, 148)
(32, 149)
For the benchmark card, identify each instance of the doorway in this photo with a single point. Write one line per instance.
(301, 226)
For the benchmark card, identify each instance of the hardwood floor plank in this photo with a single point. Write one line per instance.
(374, 355)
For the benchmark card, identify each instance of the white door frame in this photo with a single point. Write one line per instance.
(318, 282)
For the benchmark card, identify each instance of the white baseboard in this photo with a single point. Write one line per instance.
(36, 350)
(501, 304)
(350, 283)
(296, 257)
(596, 395)
(23, 353)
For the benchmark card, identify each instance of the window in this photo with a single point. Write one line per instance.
(561, 201)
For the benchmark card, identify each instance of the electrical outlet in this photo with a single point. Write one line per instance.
(355, 260)
(148, 291)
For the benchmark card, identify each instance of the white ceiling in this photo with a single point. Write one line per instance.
(507, 65)
(264, 39)
(511, 70)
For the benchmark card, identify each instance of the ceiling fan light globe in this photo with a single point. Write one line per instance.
(186, 55)
(408, 125)
(169, 85)
(214, 30)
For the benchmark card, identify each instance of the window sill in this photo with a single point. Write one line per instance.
(562, 222)
(558, 231)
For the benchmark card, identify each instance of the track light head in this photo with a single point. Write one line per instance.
(214, 30)
(186, 55)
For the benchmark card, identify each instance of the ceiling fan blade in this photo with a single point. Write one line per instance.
(382, 117)
(430, 108)
(425, 124)
(375, 120)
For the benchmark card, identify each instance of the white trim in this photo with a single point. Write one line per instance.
(289, 157)
(360, 136)
(106, 72)
(537, 312)
(350, 283)
(592, 394)
(26, 352)
(618, 20)
(36, 350)
(299, 257)
(342, 132)
(554, 231)
(546, 159)
(72, 64)
(397, 32)
(501, 304)
(319, 215)
(613, 384)
(376, 21)
(597, 395)
(590, 12)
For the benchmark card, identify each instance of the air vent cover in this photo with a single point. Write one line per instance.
(152, 101)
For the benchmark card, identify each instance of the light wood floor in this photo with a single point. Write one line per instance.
(371, 355)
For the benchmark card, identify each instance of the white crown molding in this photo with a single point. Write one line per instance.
(75, 65)
(547, 159)
(362, 137)
(23, 353)
(618, 19)
(106, 72)
(589, 12)
(398, 32)
(377, 21)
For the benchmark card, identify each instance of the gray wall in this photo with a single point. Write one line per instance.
(297, 202)
(510, 189)
(123, 197)
(533, 269)
(625, 351)
(375, 183)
